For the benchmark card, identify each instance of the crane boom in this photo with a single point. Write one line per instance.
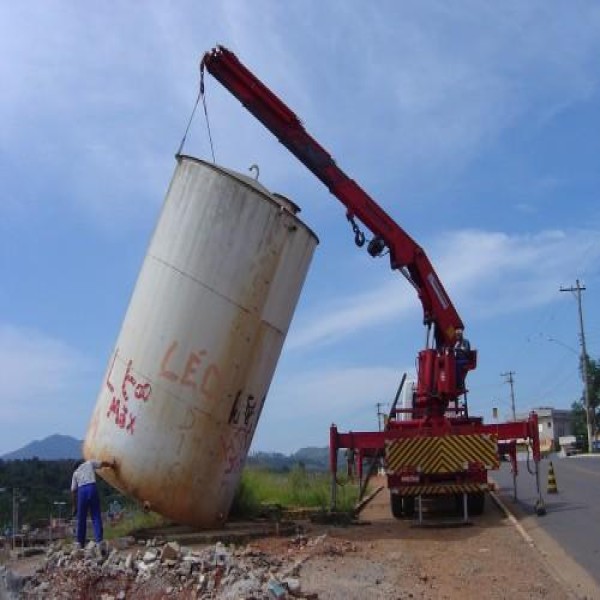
(432, 448)
(405, 254)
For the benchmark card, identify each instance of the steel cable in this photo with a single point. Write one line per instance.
(187, 129)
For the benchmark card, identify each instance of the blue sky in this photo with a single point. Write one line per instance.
(475, 125)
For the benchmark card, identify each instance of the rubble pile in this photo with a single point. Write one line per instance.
(119, 571)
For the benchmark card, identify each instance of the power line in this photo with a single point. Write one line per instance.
(536, 330)
(542, 397)
(558, 369)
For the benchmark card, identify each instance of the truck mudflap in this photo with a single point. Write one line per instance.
(442, 454)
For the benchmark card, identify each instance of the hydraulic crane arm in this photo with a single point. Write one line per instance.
(405, 254)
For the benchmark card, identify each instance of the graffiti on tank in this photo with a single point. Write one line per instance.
(234, 451)
(234, 415)
(250, 409)
(193, 371)
(242, 418)
(122, 407)
(244, 408)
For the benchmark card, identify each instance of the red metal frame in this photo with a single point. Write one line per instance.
(365, 444)
(369, 442)
(372, 444)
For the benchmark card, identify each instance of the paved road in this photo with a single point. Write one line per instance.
(573, 515)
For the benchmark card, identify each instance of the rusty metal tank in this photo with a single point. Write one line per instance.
(187, 380)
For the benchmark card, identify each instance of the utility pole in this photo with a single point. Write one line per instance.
(15, 518)
(584, 361)
(509, 379)
(379, 414)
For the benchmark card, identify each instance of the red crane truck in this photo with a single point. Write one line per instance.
(432, 448)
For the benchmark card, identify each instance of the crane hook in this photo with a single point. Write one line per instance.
(256, 171)
(359, 236)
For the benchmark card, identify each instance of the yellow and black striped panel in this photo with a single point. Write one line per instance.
(444, 454)
(438, 490)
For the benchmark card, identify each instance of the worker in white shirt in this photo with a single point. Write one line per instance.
(84, 493)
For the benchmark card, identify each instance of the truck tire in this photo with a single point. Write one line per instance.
(476, 503)
(396, 505)
(408, 506)
(403, 507)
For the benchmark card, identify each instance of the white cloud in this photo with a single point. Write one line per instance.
(351, 315)
(431, 86)
(525, 208)
(486, 273)
(94, 103)
(100, 98)
(495, 273)
(97, 100)
(42, 384)
(313, 399)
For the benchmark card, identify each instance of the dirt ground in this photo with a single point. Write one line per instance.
(385, 558)
(388, 558)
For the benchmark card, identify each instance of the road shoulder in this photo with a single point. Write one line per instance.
(566, 570)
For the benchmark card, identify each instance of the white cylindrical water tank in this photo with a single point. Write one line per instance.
(186, 383)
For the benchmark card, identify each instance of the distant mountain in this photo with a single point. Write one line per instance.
(57, 447)
(313, 459)
(54, 447)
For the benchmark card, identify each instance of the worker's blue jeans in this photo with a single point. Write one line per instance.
(88, 501)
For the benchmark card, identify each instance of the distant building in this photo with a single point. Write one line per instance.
(553, 423)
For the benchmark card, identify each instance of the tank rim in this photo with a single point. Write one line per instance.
(241, 178)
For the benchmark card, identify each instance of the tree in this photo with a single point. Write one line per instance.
(39, 483)
(579, 420)
(578, 407)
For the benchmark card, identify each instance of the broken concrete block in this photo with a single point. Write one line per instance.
(292, 584)
(170, 551)
(150, 556)
(276, 590)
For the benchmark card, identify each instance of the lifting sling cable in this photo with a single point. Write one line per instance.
(187, 129)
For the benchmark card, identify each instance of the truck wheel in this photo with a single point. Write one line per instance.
(458, 500)
(408, 506)
(476, 503)
(396, 505)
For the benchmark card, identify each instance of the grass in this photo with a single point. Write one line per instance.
(131, 521)
(296, 489)
(258, 488)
